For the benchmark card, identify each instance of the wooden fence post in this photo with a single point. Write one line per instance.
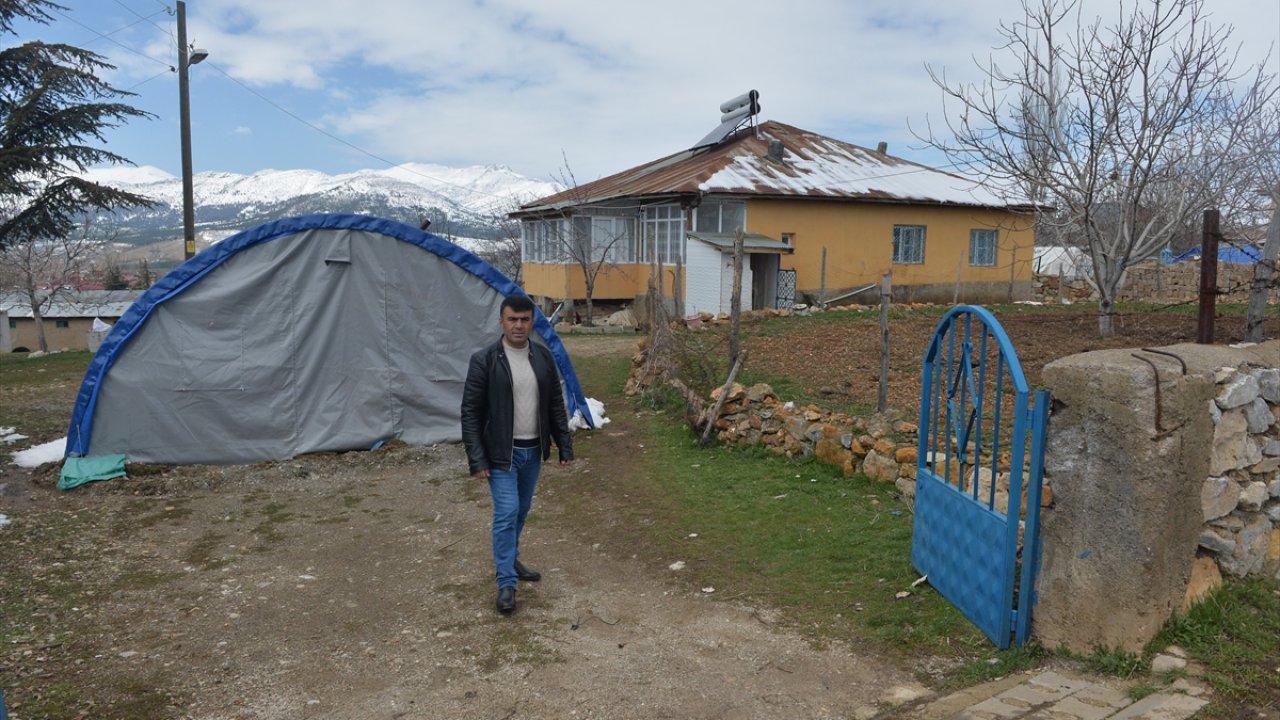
(886, 294)
(1208, 277)
(822, 289)
(735, 299)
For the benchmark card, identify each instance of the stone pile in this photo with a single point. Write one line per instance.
(882, 447)
(1241, 497)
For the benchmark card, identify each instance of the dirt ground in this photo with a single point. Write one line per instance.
(842, 362)
(360, 585)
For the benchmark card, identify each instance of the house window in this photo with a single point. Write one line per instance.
(908, 244)
(612, 239)
(663, 234)
(789, 239)
(13, 324)
(62, 323)
(582, 238)
(982, 247)
(544, 240)
(721, 216)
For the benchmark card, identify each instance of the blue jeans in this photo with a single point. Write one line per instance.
(512, 491)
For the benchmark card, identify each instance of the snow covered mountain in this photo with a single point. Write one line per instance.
(466, 201)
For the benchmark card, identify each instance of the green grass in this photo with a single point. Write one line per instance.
(35, 393)
(203, 553)
(268, 530)
(48, 562)
(1235, 635)
(515, 645)
(798, 537)
(17, 371)
(1117, 663)
(829, 553)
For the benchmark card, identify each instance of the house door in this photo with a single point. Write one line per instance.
(764, 280)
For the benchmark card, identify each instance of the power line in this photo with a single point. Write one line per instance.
(136, 14)
(108, 38)
(135, 86)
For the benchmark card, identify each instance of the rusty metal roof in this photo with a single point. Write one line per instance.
(810, 166)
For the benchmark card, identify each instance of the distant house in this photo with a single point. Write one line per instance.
(822, 220)
(68, 320)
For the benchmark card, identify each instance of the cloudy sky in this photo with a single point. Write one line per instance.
(341, 85)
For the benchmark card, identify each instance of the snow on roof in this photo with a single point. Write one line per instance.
(84, 304)
(817, 165)
(778, 160)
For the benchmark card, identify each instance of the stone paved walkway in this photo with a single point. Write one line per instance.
(1061, 695)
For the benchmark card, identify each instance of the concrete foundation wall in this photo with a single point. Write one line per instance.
(974, 293)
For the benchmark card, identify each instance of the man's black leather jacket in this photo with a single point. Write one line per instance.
(488, 409)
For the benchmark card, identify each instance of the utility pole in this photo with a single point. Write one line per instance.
(184, 119)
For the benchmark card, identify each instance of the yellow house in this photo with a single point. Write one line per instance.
(823, 221)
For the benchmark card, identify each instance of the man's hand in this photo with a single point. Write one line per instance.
(565, 463)
(481, 474)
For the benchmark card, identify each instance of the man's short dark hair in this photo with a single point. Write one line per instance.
(517, 303)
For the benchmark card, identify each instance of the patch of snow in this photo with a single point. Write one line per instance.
(577, 422)
(52, 451)
(4, 521)
(9, 436)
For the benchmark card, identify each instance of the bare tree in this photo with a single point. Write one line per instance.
(588, 241)
(42, 272)
(1121, 133)
(1264, 144)
(504, 247)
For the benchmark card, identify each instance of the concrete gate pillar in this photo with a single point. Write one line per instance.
(1126, 465)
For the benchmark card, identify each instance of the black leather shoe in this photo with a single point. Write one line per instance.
(506, 600)
(527, 574)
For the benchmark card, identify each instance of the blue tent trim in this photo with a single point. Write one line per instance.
(1246, 254)
(190, 272)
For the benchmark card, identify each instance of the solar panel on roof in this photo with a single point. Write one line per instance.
(722, 131)
(736, 113)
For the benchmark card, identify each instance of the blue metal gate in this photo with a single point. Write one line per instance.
(978, 475)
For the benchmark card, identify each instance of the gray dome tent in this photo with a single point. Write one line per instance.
(309, 334)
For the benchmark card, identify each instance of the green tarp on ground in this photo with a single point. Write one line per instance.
(77, 471)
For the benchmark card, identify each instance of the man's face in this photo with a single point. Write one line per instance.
(515, 326)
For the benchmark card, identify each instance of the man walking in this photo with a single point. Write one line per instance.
(512, 409)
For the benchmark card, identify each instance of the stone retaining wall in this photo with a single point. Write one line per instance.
(882, 447)
(1241, 496)
(1153, 281)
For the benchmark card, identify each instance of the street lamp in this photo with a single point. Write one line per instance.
(184, 119)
